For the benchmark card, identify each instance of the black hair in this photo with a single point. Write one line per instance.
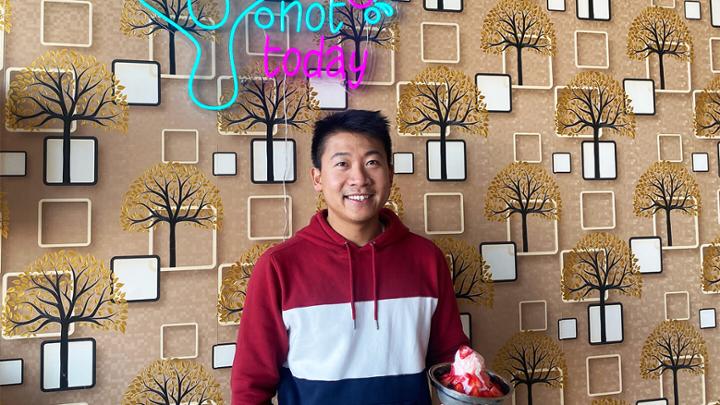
(368, 123)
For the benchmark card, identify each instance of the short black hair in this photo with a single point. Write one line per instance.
(369, 123)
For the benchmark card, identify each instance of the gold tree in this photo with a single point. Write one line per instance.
(519, 24)
(173, 382)
(600, 262)
(5, 15)
(172, 193)
(138, 21)
(668, 187)
(710, 275)
(235, 282)
(264, 103)
(4, 216)
(356, 29)
(63, 288)
(673, 346)
(706, 120)
(470, 274)
(394, 202)
(442, 98)
(597, 101)
(523, 189)
(660, 31)
(68, 87)
(530, 358)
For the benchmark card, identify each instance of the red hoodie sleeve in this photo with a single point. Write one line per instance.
(262, 343)
(446, 333)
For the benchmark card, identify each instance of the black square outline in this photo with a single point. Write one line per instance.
(224, 153)
(252, 162)
(711, 13)
(576, 328)
(582, 157)
(547, 5)
(553, 162)
(25, 170)
(213, 355)
(510, 88)
(577, 9)
(653, 94)
(692, 162)
(427, 160)
(661, 251)
(514, 256)
(622, 324)
(469, 323)
(645, 401)
(347, 101)
(700, 319)
(42, 365)
(22, 371)
(412, 157)
(142, 62)
(157, 294)
(462, 7)
(71, 184)
(685, 10)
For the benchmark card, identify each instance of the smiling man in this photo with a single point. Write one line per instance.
(355, 307)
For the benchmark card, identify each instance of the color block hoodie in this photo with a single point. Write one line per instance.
(328, 322)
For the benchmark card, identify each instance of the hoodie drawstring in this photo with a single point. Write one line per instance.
(374, 278)
(352, 286)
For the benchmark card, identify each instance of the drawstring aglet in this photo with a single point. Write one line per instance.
(377, 325)
(354, 326)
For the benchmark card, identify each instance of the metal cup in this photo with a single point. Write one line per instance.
(449, 396)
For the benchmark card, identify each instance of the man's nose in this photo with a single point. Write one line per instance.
(359, 175)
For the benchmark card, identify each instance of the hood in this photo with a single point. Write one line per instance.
(322, 234)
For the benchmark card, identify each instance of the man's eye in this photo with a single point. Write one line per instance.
(340, 164)
(373, 162)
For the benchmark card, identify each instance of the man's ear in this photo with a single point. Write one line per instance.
(316, 179)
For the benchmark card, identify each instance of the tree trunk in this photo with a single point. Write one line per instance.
(675, 387)
(596, 152)
(603, 332)
(357, 59)
(529, 393)
(662, 71)
(668, 226)
(172, 51)
(66, 151)
(591, 10)
(64, 350)
(269, 153)
(519, 65)
(524, 231)
(172, 242)
(443, 158)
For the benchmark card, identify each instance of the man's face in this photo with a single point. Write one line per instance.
(355, 177)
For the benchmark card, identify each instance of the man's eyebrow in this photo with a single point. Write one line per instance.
(371, 152)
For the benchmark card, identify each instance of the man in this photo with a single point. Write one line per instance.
(353, 308)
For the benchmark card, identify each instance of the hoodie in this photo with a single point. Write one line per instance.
(328, 322)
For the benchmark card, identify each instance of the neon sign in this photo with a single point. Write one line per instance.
(373, 13)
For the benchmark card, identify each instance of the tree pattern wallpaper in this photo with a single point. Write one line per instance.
(563, 154)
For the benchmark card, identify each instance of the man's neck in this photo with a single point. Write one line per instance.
(359, 234)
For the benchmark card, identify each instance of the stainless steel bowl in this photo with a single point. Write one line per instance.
(449, 396)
